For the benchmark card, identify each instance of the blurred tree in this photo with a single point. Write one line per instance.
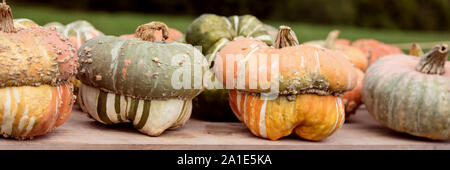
(404, 14)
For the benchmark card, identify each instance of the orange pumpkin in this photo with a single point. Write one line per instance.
(174, 35)
(37, 67)
(376, 49)
(357, 57)
(308, 80)
(352, 98)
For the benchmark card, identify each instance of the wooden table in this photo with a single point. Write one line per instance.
(81, 132)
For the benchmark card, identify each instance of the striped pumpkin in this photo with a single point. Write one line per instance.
(411, 94)
(130, 80)
(309, 79)
(80, 31)
(310, 116)
(28, 111)
(212, 33)
(37, 67)
(148, 116)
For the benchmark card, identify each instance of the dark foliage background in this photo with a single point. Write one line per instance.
(399, 14)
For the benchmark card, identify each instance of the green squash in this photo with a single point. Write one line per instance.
(411, 94)
(212, 32)
(131, 80)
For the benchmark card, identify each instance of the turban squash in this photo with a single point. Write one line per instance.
(411, 94)
(35, 89)
(352, 98)
(130, 80)
(213, 32)
(308, 84)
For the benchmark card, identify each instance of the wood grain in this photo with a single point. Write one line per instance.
(81, 132)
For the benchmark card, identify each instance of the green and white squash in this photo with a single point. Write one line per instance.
(212, 32)
(131, 80)
(411, 94)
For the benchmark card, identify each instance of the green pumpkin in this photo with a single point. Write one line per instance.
(212, 32)
(131, 80)
(410, 94)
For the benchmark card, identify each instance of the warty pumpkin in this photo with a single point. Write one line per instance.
(352, 98)
(309, 83)
(212, 32)
(78, 32)
(130, 80)
(37, 67)
(411, 94)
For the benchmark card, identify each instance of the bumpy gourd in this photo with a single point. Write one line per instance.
(309, 82)
(130, 80)
(411, 94)
(37, 67)
(213, 32)
(352, 98)
(78, 32)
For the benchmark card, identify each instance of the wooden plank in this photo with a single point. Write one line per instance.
(81, 132)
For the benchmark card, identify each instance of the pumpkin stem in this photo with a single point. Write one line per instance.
(6, 18)
(146, 32)
(285, 38)
(416, 50)
(330, 42)
(433, 62)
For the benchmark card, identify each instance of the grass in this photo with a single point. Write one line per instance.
(126, 22)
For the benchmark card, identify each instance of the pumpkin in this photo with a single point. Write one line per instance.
(58, 26)
(376, 49)
(130, 80)
(24, 23)
(353, 54)
(411, 94)
(307, 85)
(352, 98)
(78, 33)
(175, 35)
(37, 67)
(212, 32)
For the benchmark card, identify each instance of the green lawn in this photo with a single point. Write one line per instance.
(126, 22)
